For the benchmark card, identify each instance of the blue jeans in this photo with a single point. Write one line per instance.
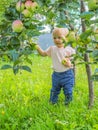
(63, 80)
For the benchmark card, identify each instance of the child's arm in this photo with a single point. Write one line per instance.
(40, 51)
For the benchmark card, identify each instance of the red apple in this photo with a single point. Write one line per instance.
(34, 5)
(17, 26)
(20, 6)
(30, 5)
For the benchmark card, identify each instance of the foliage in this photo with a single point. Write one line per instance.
(15, 46)
(4, 4)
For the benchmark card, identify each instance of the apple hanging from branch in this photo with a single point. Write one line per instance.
(20, 6)
(71, 36)
(30, 5)
(26, 13)
(17, 26)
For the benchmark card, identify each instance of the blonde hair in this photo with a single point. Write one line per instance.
(60, 31)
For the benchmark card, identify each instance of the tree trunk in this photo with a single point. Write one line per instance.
(88, 67)
(90, 82)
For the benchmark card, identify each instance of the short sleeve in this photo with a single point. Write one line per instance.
(48, 51)
(69, 51)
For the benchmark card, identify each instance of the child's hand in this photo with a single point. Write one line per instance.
(34, 45)
(67, 62)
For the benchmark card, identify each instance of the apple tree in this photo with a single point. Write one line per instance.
(89, 38)
(18, 26)
(81, 19)
(25, 18)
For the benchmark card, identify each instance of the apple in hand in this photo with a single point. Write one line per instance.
(34, 46)
(66, 62)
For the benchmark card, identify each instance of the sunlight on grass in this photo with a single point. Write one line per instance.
(24, 101)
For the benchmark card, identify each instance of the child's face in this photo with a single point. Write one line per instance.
(58, 40)
(59, 35)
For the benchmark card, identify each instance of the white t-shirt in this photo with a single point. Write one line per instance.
(57, 55)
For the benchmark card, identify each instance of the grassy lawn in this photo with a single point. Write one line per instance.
(24, 101)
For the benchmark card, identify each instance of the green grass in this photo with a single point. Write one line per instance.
(24, 101)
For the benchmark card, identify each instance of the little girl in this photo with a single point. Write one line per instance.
(62, 76)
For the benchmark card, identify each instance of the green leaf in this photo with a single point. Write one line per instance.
(26, 68)
(89, 50)
(85, 34)
(6, 67)
(29, 61)
(95, 53)
(87, 15)
(96, 71)
(94, 77)
(94, 21)
(14, 55)
(16, 69)
(17, 62)
(14, 41)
